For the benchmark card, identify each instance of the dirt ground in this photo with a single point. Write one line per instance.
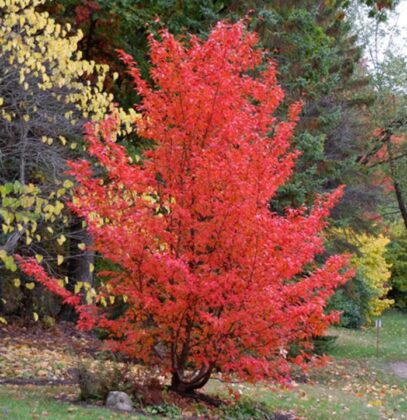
(399, 368)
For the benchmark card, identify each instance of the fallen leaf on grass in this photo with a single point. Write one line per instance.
(375, 403)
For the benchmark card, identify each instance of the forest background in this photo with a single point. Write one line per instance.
(329, 54)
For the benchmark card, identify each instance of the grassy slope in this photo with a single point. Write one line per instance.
(24, 403)
(355, 385)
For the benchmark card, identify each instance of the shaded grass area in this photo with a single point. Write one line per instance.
(24, 403)
(356, 384)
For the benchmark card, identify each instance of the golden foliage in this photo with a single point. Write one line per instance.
(370, 261)
(46, 54)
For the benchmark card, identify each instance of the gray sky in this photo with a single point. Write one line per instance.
(399, 20)
(390, 35)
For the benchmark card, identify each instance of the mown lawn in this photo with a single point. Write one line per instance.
(356, 344)
(356, 384)
(33, 402)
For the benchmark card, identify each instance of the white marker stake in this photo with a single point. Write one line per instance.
(378, 325)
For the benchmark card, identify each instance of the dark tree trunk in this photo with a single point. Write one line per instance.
(196, 381)
(79, 264)
(401, 202)
(89, 37)
(397, 189)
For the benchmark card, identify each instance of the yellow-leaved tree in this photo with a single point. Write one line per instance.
(374, 269)
(365, 296)
(47, 93)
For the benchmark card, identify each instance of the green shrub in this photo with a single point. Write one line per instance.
(98, 377)
(246, 408)
(397, 257)
(352, 300)
(323, 344)
(167, 410)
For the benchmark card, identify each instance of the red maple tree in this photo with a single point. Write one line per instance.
(210, 278)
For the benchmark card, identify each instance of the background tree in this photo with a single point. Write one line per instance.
(317, 54)
(386, 155)
(365, 296)
(397, 257)
(47, 92)
(387, 63)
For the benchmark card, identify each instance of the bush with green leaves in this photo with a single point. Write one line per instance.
(397, 257)
(246, 408)
(352, 299)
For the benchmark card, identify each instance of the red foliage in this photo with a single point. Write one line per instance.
(212, 278)
(84, 11)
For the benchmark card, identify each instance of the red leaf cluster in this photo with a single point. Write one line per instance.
(84, 11)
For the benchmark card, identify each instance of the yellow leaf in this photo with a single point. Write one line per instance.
(91, 268)
(35, 316)
(30, 188)
(78, 287)
(30, 285)
(60, 259)
(17, 282)
(6, 228)
(61, 240)
(61, 192)
(3, 320)
(376, 403)
(81, 246)
(39, 258)
(68, 183)
(88, 297)
(58, 207)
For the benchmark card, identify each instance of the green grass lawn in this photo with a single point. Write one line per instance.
(24, 403)
(356, 384)
(356, 344)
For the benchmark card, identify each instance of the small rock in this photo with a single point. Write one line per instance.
(119, 401)
(283, 415)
